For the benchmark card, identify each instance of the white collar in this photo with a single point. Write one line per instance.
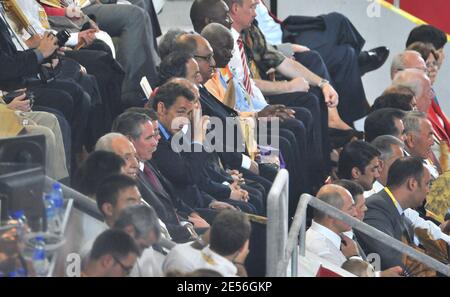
(235, 34)
(141, 166)
(327, 233)
(223, 265)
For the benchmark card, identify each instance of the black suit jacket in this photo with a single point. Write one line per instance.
(165, 209)
(15, 65)
(384, 216)
(211, 106)
(181, 173)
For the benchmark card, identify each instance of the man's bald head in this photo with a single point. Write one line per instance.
(204, 12)
(221, 40)
(418, 81)
(340, 198)
(406, 60)
(333, 195)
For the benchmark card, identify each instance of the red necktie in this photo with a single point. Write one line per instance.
(152, 179)
(247, 81)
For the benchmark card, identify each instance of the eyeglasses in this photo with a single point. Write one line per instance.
(125, 269)
(208, 58)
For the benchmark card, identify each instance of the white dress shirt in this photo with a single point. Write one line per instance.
(184, 258)
(324, 243)
(376, 188)
(236, 66)
(149, 264)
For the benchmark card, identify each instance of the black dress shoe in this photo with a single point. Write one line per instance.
(372, 59)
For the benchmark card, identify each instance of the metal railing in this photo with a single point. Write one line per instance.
(277, 218)
(281, 251)
(299, 226)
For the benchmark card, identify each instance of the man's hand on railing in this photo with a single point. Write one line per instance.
(396, 271)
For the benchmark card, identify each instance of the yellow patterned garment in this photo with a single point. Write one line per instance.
(438, 200)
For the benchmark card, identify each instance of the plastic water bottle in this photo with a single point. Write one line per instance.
(19, 217)
(53, 222)
(20, 272)
(58, 200)
(40, 262)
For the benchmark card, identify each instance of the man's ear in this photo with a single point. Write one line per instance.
(130, 230)
(160, 108)
(107, 209)
(409, 140)
(412, 184)
(207, 21)
(356, 173)
(106, 261)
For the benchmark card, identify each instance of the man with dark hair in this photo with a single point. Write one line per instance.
(114, 194)
(167, 44)
(159, 192)
(113, 254)
(359, 162)
(429, 34)
(226, 253)
(142, 224)
(391, 149)
(190, 161)
(385, 121)
(357, 191)
(179, 64)
(95, 169)
(405, 102)
(407, 186)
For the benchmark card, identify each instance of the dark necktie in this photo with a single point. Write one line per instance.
(154, 182)
(407, 231)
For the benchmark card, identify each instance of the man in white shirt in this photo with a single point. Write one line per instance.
(226, 253)
(328, 237)
(141, 223)
(324, 238)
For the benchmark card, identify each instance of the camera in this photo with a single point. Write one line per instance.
(11, 95)
(62, 37)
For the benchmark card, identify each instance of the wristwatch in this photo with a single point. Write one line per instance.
(323, 82)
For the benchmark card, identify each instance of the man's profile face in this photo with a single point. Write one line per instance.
(245, 14)
(178, 115)
(360, 207)
(423, 140)
(220, 13)
(193, 72)
(126, 197)
(125, 149)
(349, 208)
(205, 59)
(370, 174)
(147, 142)
(121, 267)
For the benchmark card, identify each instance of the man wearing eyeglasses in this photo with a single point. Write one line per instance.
(114, 254)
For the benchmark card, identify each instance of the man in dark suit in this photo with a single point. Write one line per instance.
(193, 160)
(154, 187)
(156, 197)
(407, 187)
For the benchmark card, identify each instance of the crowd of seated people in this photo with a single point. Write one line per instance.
(233, 102)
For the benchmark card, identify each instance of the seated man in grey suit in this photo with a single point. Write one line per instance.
(407, 186)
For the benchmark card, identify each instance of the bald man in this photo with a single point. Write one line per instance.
(122, 146)
(325, 237)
